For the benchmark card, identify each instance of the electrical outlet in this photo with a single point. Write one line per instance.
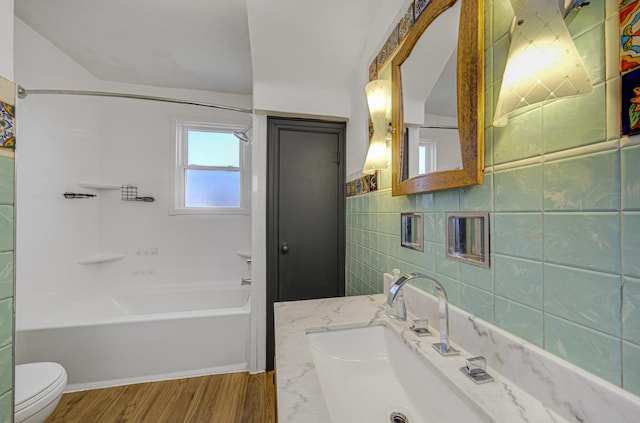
(147, 252)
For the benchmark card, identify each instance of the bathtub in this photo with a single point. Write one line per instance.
(141, 334)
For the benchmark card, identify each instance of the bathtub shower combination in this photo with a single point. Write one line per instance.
(143, 334)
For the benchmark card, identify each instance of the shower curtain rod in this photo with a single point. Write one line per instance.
(22, 93)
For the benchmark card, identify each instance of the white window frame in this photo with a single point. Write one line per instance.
(181, 129)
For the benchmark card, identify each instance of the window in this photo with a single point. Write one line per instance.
(211, 170)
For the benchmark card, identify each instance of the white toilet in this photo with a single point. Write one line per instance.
(38, 388)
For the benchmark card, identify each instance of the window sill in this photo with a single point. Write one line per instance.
(208, 211)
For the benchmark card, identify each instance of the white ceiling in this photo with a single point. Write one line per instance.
(196, 44)
(205, 44)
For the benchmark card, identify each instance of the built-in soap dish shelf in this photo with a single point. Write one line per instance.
(101, 258)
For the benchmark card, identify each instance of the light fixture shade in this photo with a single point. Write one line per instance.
(379, 100)
(377, 157)
(543, 62)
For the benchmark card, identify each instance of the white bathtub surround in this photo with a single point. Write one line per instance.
(531, 384)
(143, 334)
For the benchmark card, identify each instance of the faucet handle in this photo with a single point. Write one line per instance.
(476, 365)
(476, 369)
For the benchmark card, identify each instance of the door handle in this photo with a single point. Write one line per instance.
(285, 248)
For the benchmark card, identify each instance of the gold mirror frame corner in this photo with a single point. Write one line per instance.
(470, 94)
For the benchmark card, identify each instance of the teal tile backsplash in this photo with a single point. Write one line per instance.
(589, 240)
(592, 299)
(519, 280)
(565, 222)
(592, 350)
(631, 310)
(518, 234)
(589, 182)
(631, 178)
(630, 380)
(518, 189)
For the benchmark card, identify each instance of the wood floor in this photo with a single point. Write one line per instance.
(227, 398)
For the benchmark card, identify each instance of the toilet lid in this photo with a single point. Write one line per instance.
(35, 381)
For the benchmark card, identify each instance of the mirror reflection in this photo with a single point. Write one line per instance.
(429, 101)
(438, 98)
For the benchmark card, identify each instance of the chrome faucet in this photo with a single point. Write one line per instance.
(395, 294)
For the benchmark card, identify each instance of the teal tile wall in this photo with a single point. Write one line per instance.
(6, 288)
(565, 224)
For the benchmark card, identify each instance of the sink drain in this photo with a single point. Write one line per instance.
(397, 417)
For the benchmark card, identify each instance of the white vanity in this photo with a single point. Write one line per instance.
(530, 384)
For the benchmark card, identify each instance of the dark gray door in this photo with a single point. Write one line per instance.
(305, 212)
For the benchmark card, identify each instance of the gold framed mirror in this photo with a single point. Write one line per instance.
(468, 102)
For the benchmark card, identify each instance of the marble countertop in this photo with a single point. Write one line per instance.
(299, 393)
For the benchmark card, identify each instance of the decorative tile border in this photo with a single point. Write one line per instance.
(630, 66)
(7, 118)
(363, 185)
(397, 36)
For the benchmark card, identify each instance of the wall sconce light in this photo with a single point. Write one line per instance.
(379, 101)
(543, 62)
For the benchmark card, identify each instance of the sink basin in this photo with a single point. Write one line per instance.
(367, 374)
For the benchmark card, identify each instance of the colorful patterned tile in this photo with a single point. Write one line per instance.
(631, 310)
(594, 351)
(477, 302)
(520, 139)
(406, 23)
(519, 280)
(590, 182)
(519, 189)
(576, 121)
(518, 234)
(587, 240)
(629, 58)
(630, 178)
(631, 377)
(631, 244)
(420, 6)
(520, 320)
(630, 111)
(7, 126)
(373, 70)
(587, 298)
